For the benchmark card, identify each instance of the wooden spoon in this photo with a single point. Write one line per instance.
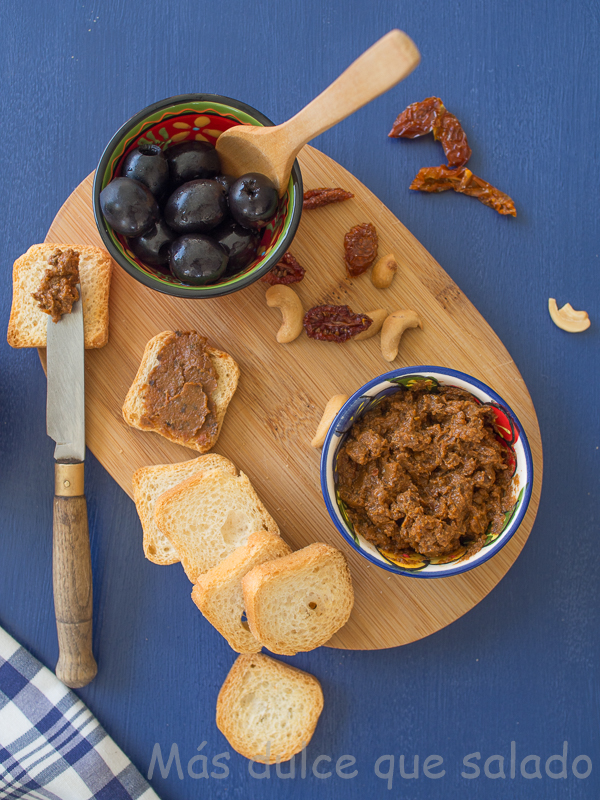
(272, 150)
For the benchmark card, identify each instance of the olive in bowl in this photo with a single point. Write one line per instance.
(241, 245)
(253, 200)
(153, 246)
(191, 160)
(196, 207)
(129, 207)
(197, 259)
(169, 123)
(148, 165)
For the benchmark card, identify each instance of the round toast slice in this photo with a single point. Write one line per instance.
(298, 602)
(150, 482)
(268, 711)
(208, 516)
(227, 372)
(218, 593)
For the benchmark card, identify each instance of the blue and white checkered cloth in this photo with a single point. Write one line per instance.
(51, 745)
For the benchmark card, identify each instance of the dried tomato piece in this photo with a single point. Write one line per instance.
(449, 132)
(286, 271)
(440, 179)
(417, 119)
(430, 116)
(315, 198)
(360, 245)
(334, 323)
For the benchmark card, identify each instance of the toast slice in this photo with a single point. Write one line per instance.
(218, 593)
(150, 482)
(268, 711)
(27, 323)
(227, 380)
(298, 602)
(208, 516)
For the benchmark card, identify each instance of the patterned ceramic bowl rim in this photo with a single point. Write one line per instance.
(337, 434)
(131, 130)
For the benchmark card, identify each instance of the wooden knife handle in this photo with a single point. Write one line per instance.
(72, 578)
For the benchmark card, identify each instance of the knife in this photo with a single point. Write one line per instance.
(71, 561)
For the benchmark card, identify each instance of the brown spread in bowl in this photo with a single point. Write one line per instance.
(179, 396)
(425, 472)
(58, 289)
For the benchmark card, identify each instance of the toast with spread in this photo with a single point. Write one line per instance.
(182, 390)
(27, 323)
(268, 711)
(150, 482)
(218, 593)
(208, 516)
(297, 602)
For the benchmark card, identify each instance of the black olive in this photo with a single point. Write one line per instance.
(152, 247)
(253, 200)
(128, 206)
(225, 180)
(240, 243)
(190, 160)
(148, 165)
(197, 206)
(197, 259)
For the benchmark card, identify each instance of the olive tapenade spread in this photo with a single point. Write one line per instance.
(179, 395)
(58, 289)
(424, 472)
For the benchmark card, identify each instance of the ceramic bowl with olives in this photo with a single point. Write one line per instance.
(170, 217)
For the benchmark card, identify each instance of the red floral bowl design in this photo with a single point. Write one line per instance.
(199, 117)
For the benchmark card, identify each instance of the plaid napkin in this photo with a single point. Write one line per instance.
(51, 745)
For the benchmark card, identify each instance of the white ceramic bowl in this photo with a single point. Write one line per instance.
(509, 429)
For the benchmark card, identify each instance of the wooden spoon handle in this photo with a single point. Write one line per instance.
(72, 578)
(379, 68)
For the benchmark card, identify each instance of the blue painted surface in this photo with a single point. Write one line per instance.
(523, 665)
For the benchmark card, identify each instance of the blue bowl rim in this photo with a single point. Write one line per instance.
(198, 293)
(500, 542)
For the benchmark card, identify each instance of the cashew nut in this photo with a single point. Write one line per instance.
(567, 318)
(331, 409)
(383, 272)
(378, 318)
(393, 328)
(286, 299)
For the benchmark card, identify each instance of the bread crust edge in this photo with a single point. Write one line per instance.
(15, 335)
(134, 420)
(258, 579)
(235, 676)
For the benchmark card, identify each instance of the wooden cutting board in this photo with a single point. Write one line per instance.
(283, 389)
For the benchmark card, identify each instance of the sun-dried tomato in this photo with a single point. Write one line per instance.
(334, 323)
(315, 198)
(430, 116)
(360, 245)
(286, 271)
(417, 119)
(454, 141)
(440, 179)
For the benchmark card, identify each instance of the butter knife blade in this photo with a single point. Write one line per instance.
(65, 405)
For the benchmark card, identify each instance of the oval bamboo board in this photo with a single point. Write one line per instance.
(283, 389)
